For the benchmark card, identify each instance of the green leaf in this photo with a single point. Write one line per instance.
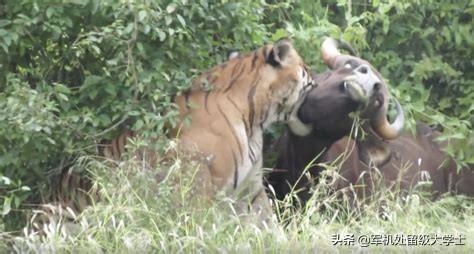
(6, 205)
(5, 180)
(92, 80)
(138, 124)
(142, 15)
(171, 8)
(111, 89)
(4, 22)
(280, 33)
(161, 35)
(49, 12)
(181, 20)
(63, 97)
(168, 20)
(133, 113)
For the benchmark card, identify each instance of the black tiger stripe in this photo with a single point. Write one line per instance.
(115, 152)
(250, 99)
(213, 79)
(241, 70)
(247, 128)
(283, 103)
(235, 69)
(234, 79)
(265, 116)
(279, 110)
(243, 116)
(121, 143)
(254, 60)
(264, 53)
(234, 103)
(206, 99)
(236, 171)
(234, 135)
(251, 154)
(287, 116)
(186, 98)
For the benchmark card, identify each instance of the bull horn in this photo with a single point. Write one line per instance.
(387, 130)
(330, 50)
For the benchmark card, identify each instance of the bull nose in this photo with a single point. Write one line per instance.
(366, 78)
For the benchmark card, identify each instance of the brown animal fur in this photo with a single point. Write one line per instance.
(247, 94)
(229, 106)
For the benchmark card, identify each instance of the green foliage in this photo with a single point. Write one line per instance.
(73, 73)
(425, 49)
(137, 214)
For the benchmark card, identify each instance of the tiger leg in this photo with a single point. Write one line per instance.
(262, 208)
(252, 202)
(261, 214)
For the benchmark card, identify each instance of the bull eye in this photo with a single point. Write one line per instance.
(348, 65)
(363, 70)
(343, 86)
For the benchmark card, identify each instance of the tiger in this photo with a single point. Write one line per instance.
(233, 103)
(229, 106)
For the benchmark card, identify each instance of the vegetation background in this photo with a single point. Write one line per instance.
(76, 72)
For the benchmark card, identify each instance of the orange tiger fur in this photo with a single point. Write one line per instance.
(231, 104)
(116, 147)
(229, 107)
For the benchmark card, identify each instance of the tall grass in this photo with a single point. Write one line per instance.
(143, 209)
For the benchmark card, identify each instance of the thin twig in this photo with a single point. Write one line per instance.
(124, 118)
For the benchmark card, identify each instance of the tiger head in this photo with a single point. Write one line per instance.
(292, 79)
(280, 77)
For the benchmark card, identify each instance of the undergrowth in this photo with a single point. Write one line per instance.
(156, 209)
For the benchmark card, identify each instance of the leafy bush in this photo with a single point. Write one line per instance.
(75, 72)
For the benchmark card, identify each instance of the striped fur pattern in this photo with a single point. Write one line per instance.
(230, 106)
(116, 147)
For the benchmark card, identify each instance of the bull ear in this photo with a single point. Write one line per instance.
(279, 53)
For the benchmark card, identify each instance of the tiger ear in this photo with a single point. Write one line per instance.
(279, 53)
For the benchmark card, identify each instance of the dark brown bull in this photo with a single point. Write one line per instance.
(402, 161)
